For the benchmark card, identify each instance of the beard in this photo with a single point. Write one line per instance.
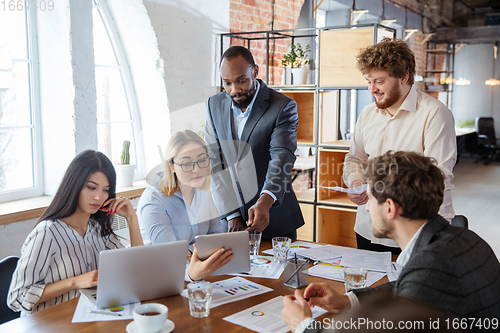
(383, 231)
(243, 104)
(391, 97)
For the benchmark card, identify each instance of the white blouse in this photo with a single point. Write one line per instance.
(52, 252)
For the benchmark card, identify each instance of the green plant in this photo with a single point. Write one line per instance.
(126, 152)
(297, 56)
(465, 123)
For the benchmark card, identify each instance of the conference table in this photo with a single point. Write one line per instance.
(58, 318)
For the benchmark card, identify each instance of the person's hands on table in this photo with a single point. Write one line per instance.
(322, 295)
(294, 313)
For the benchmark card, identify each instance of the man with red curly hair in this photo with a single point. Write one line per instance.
(401, 118)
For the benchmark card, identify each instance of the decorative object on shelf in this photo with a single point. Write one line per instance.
(298, 60)
(125, 171)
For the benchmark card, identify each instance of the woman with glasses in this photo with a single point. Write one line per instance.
(181, 206)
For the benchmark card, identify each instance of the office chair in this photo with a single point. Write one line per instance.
(488, 144)
(7, 267)
(460, 221)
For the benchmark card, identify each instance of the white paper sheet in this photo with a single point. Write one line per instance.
(264, 267)
(394, 273)
(82, 316)
(335, 273)
(296, 247)
(354, 190)
(375, 261)
(233, 289)
(266, 317)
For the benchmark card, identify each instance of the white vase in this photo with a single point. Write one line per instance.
(124, 174)
(287, 76)
(299, 75)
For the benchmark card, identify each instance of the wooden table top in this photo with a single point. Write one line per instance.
(58, 318)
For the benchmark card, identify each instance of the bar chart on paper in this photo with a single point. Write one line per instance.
(234, 289)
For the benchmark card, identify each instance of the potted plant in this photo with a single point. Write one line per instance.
(298, 60)
(125, 171)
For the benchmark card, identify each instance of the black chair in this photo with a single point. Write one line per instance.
(488, 144)
(460, 221)
(7, 267)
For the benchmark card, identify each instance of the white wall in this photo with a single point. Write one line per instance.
(475, 63)
(187, 39)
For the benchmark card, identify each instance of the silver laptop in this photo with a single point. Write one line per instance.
(238, 242)
(138, 274)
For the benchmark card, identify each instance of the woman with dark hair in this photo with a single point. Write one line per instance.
(61, 253)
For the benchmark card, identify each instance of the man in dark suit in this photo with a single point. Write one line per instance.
(447, 267)
(251, 131)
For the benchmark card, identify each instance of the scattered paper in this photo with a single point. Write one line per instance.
(295, 248)
(234, 289)
(266, 317)
(354, 190)
(336, 273)
(264, 267)
(82, 316)
(375, 261)
(394, 273)
(321, 253)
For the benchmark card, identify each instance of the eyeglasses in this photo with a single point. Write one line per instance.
(187, 167)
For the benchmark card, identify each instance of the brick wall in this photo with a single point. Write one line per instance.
(261, 15)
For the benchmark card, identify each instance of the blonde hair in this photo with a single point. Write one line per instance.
(169, 183)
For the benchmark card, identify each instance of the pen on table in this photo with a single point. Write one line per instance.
(104, 312)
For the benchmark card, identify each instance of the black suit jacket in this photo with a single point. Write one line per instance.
(270, 136)
(451, 269)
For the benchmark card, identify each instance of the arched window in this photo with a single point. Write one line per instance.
(20, 153)
(117, 116)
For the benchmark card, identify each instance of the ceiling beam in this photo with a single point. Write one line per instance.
(469, 35)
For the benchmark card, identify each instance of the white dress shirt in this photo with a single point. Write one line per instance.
(423, 125)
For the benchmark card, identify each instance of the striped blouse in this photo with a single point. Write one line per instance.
(53, 251)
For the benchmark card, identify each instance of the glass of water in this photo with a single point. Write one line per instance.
(354, 278)
(254, 239)
(281, 246)
(200, 298)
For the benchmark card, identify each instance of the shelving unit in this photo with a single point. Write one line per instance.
(329, 215)
(439, 62)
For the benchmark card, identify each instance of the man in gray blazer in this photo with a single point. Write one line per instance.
(251, 131)
(450, 268)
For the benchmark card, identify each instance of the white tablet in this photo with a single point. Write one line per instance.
(237, 241)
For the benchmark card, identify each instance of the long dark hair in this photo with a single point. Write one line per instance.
(76, 177)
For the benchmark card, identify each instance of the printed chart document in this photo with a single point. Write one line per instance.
(264, 267)
(82, 316)
(266, 317)
(234, 289)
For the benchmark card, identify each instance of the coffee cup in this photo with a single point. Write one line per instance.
(150, 317)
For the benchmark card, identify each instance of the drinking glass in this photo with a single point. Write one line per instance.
(254, 239)
(200, 298)
(354, 278)
(281, 246)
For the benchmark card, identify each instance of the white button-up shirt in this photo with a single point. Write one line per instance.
(423, 125)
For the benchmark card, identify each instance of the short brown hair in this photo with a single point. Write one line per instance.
(411, 180)
(392, 56)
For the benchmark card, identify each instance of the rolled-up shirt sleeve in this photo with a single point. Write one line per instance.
(353, 163)
(27, 285)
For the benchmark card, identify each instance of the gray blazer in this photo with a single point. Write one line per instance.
(451, 269)
(270, 138)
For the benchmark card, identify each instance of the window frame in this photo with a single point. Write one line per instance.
(35, 117)
(127, 82)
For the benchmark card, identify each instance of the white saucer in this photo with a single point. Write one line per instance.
(169, 327)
